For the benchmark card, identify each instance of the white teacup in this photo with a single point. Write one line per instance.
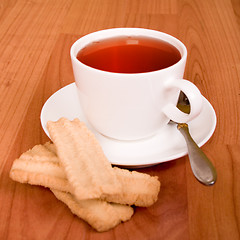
(130, 106)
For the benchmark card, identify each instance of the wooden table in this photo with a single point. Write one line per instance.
(35, 38)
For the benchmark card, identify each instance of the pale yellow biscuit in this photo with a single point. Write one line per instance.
(139, 189)
(40, 166)
(56, 167)
(87, 169)
(45, 174)
(101, 215)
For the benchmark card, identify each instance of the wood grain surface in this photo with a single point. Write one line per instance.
(35, 38)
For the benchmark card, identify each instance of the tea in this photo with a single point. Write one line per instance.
(129, 54)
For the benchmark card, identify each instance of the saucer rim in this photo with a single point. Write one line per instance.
(130, 164)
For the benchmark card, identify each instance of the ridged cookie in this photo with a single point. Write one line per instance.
(87, 169)
(101, 215)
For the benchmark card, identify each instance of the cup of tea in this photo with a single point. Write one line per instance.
(129, 79)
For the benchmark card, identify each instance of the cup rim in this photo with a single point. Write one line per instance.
(105, 33)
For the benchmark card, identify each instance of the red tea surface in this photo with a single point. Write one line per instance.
(129, 54)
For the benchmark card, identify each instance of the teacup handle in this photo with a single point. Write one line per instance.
(195, 99)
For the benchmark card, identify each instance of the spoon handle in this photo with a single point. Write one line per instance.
(202, 167)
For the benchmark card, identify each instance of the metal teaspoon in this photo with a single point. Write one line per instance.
(201, 166)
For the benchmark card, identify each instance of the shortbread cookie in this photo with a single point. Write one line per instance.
(41, 167)
(87, 169)
(101, 215)
(139, 189)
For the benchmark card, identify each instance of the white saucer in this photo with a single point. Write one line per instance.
(167, 145)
